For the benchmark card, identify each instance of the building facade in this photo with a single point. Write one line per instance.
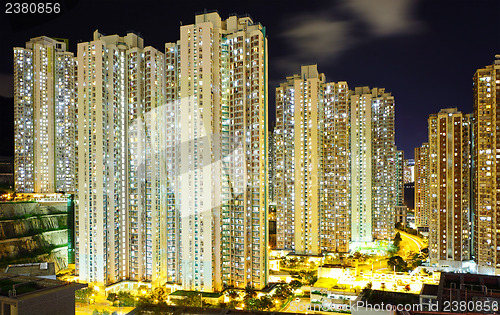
(450, 164)
(121, 211)
(399, 177)
(218, 75)
(373, 165)
(486, 154)
(172, 151)
(44, 117)
(298, 124)
(335, 160)
(312, 162)
(272, 166)
(422, 195)
(409, 171)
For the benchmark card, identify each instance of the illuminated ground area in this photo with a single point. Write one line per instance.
(331, 275)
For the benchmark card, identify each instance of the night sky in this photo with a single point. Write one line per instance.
(424, 52)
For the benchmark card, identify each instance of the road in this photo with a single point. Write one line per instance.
(410, 243)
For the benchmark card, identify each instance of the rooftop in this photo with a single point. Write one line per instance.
(388, 297)
(34, 269)
(17, 286)
(470, 282)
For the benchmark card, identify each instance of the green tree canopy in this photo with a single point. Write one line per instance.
(398, 263)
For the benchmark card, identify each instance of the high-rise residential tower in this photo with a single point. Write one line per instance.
(312, 163)
(218, 75)
(335, 161)
(272, 165)
(44, 117)
(450, 164)
(121, 210)
(486, 152)
(373, 165)
(399, 177)
(409, 171)
(400, 208)
(422, 197)
(298, 127)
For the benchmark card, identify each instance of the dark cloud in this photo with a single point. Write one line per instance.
(324, 35)
(386, 17)
(314, 39)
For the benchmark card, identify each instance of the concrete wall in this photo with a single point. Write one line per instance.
(24, 240)
(9, 210)
(23, 227)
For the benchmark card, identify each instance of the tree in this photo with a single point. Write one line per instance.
(398, 263)
(295, 284)
(125, 299)
(191, 299)
(232, 304)
(397, 240)
(308, 276)
(392, 250)
(252, 304)
(232, 294)
(265, 303)
(399, 226)
(311, 280)
(284, 261)
(159, 295)
(83, 295)
(283, 292)
(112, 297)
(249, 293)
(414, 263)
(424, 253)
